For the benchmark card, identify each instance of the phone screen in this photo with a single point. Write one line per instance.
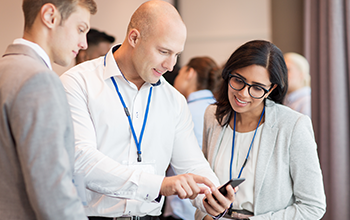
(232, 182)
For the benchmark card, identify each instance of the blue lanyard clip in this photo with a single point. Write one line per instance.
(139, 156)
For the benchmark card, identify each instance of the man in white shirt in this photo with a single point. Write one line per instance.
(130, 124)
(36, 129)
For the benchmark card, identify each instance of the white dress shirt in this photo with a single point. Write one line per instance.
(105, 149)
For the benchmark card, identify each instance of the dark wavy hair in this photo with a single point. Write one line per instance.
(256, 52)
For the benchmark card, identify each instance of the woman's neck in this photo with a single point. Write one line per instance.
(248, 121)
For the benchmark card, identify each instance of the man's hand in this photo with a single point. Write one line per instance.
(218, 206)
(185, 186)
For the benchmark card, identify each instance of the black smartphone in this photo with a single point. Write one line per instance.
(232, 182)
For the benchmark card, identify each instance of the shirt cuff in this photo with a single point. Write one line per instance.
(149, 187)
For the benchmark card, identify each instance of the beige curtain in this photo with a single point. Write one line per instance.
(327, 47)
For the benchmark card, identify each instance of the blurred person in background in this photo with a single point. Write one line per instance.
(299, 92)
(195, 81)
(99, 44)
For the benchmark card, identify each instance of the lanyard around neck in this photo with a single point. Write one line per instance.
(251, 144)
(203, 98)
(138, 143)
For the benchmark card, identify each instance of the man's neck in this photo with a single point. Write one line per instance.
(125, 65)
(35, 44)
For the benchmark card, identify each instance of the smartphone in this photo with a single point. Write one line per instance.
(232, 182)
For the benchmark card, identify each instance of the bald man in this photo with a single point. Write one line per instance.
(130, 124)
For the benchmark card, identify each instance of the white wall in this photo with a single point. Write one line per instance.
(11, 22)
(215, 28)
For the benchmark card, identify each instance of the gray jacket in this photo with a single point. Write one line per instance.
(36, 141)
(288, 178)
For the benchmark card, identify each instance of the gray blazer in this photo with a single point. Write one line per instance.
(36, 141)
(288, 178)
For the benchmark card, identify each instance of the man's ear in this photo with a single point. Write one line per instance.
(133, 37)
(50, 15)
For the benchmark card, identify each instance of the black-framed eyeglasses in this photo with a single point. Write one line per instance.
(255, 91)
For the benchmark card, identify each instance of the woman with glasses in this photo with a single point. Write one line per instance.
(249, 134)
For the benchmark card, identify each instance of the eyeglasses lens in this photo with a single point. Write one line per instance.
(238, 84)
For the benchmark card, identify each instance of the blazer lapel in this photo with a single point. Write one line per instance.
(266, 148)
(219, 133)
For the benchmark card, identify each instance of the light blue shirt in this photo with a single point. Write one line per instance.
(300, 100)
(197, 102)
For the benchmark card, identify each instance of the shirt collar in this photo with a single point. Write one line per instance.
(200, 94)
(111, 67)
(37, 49)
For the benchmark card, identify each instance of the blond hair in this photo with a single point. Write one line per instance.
(302, 64)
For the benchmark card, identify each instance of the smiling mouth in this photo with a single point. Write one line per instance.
(240, 101)
(160, 73)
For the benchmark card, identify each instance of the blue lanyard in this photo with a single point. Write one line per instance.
(138, 143)
(251, 144)
(195, 100)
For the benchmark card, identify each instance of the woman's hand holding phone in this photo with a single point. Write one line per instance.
(220, 199)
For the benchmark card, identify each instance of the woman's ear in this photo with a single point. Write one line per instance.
(133, 37)
(191, 73)
(50, 15)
